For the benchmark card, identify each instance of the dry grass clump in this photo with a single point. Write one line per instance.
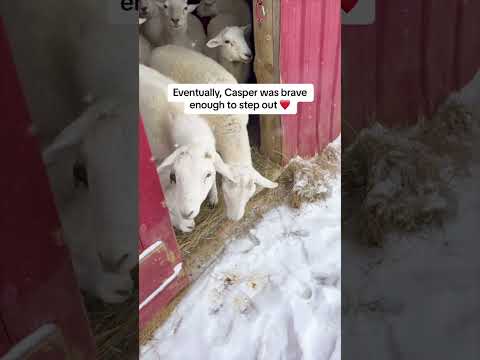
(115, 327)
(312, 178)
(400, 179)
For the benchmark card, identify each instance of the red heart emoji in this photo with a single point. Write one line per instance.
(284, 103)
(348, 5)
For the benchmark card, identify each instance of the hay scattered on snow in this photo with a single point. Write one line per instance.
(401, 177)
(312, 178)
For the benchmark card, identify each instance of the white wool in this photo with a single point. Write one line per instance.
(144, 50)
(213, 8)
(231, 135)
(160, 30)
(71, 62)
(228, 45)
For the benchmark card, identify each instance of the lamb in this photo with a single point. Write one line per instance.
(212, 8)
(227, 45)
(230, 131)
(194, 162)
(173, 23)
(83, 61)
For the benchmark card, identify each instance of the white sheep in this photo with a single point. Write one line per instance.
(93, 276)
(227, 45)
(144, 50)
(172, 23)
(58, 69)
(192, 160)
(212, 8)
(231, 135)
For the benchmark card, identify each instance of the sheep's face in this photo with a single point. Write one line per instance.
(148, 9)
(232, 44)
(207, 8)
(237, 194)
(184, 225)
(191, 172)
(176, 12)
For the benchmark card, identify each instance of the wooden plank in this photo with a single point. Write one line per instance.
(358, 64)
(291, 16)
(400, 97)
(439, 51)
(4, 340)
(326, 84)
(468, 42)
(160, 253)
(266, 66)
(37, 279)
(336, 119)
(312, 46)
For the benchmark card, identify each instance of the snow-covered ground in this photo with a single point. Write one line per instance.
(419, 295)
(274, 295)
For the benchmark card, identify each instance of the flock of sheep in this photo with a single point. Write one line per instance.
(77, 80)
(189, 149)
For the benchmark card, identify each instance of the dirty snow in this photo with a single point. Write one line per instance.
(274, 294)
(418, 296)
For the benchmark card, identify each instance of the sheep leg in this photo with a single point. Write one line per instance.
(213, 195)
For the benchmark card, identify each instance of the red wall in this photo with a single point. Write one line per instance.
(37, 283)
(310, 53)
(155, 226)
(437, 44)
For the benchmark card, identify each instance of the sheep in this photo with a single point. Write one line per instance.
(194, 162)
(212, 8)
(229, 47)
(173, 23)
(93, 275)
(58, 71)
(230, 131)
(144, 50)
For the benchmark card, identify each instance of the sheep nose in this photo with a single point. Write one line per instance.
(248, 55)
(187, 216)
(144, 8)
(175, 21)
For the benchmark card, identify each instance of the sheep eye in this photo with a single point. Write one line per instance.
(208, 175)
(185, 8)
(165, 6)
(227, 41)
(173, 179)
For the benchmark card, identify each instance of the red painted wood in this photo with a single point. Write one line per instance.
(439, 56)
(37, 284)
(468, 42)
(406, 64)
(309, 53)
(5, 343)
(155, 227)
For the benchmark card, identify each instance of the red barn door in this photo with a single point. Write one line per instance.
(38, 289)
(161, 274)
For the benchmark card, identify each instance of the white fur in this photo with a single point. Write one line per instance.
(212, 8)
(228, 45)
(144, 50)
(70, 52)
(192, 157)
(161, 28)
(232, 142)
(77, 221)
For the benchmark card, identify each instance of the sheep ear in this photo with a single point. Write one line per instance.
(247, 29)
(191, 8)
(263, 181)
(215, 42)
(169, 160)
(222, 168)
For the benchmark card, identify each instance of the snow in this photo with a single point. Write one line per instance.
(274, 294)
(418, 296)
